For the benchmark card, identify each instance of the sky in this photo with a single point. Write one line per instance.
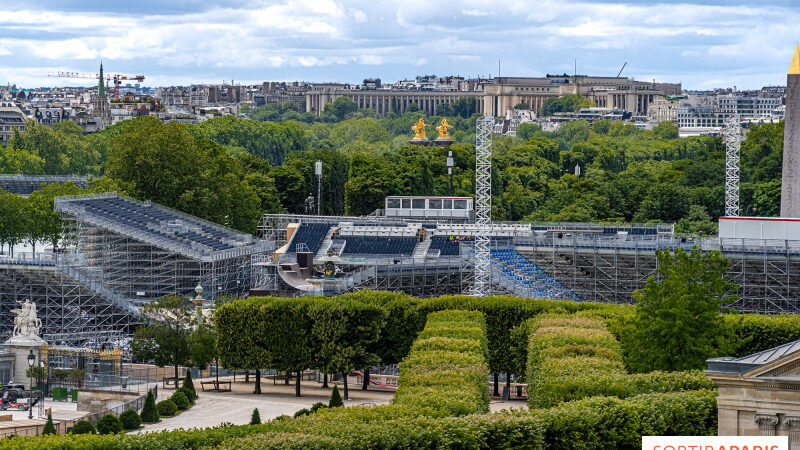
(702, 44)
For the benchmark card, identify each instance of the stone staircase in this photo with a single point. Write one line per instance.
(326, 243)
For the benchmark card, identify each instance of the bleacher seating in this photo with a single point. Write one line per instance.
(162, 222)
(400, 246)
(446, 245)
(537, 283)
(311, 234)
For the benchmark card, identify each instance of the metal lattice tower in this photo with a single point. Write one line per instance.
(733, 140)
(483, 205)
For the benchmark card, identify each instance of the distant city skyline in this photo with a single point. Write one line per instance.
(701, 44)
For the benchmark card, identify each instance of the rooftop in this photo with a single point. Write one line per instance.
(750, 362)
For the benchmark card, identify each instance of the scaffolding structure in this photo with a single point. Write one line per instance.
(71, 313)
(733, 141)
(131, 267)
(482, 285)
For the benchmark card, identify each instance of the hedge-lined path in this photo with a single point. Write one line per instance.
(213, 408)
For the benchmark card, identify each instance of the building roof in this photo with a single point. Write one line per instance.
(159, 226)
(750, 362)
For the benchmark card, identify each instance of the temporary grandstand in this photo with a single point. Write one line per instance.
(26, 184)
(584, 262)
(119, 254)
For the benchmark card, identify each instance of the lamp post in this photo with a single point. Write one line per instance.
(31, 362)
(42, 384)
(198, 303)
(318, 173)
(450, 169)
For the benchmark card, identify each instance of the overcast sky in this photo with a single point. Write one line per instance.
(703, 44)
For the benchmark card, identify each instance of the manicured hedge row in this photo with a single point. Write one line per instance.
(600, 422)
(571, 357)
(446, 369)
(756, 332)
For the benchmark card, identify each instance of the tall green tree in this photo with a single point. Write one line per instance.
(677, 323)
(166, 340)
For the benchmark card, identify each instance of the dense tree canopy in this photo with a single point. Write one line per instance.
(231, 169)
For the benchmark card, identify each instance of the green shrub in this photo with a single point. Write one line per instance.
(149, 411)
(188, 385)
(446, 369)
(109, 424)
(49, 427)
(167, 408)
(255, 418)
(190, 396)
(83, 427)
(316, 406)
(753, 333)
(336, 398)
(130, 420)
(302, 412)
(180, 400)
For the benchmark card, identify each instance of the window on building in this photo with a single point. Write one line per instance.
(418, 203)
(459, 204)
(392, 202)
(435, 203)
(406, 203)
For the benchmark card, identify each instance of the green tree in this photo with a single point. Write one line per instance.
(255, 418)
(49, 427)
(168, 165)
(343, 331)
(336, 399)
(677, 323)
(166, 340)
(526, 130)
(149, 412)
(666, 130)
(341, 107)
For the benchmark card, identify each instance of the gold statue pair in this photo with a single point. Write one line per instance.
(419, 129)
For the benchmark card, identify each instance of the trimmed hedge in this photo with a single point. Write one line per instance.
(83, 427)
(446, 369)
(571, 357)
(109, 424)
(130, 420)
(753, 333)
(167, 408)
(180, 400)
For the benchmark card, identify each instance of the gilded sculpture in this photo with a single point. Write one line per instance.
(442, 129)
(419, 129)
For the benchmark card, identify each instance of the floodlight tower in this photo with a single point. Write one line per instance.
(483, 205)
(733, 141)
(318, 173)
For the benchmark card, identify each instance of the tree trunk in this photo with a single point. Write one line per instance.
(258, 382)
(496, 385)
(365, 385)
(508, 385)
(217, 373)
(297, 386)
(346, 393)
(288, 375)
(176, 376)
(325, 380)
(247, 376)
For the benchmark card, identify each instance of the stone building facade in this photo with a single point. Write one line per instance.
(759, 394)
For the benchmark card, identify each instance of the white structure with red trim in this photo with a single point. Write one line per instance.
(780, 228)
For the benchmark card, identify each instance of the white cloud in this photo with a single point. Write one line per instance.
(325, 39)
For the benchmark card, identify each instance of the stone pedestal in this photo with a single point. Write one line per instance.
(20, 347)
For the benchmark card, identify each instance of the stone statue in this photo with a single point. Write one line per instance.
(442, 129)
(26, 323)
(310, 204)
(419, 129)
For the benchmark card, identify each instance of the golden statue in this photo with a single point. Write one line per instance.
(419, 129)
(442, 129)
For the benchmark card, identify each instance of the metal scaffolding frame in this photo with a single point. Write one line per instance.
(482, 285)
(71, 313)
(733, 141)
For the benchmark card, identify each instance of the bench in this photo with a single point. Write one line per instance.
(216, 386)
(167, 381)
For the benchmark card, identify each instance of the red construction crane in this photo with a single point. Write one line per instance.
(116, 77)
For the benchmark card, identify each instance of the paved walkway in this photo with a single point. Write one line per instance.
(214, 408)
